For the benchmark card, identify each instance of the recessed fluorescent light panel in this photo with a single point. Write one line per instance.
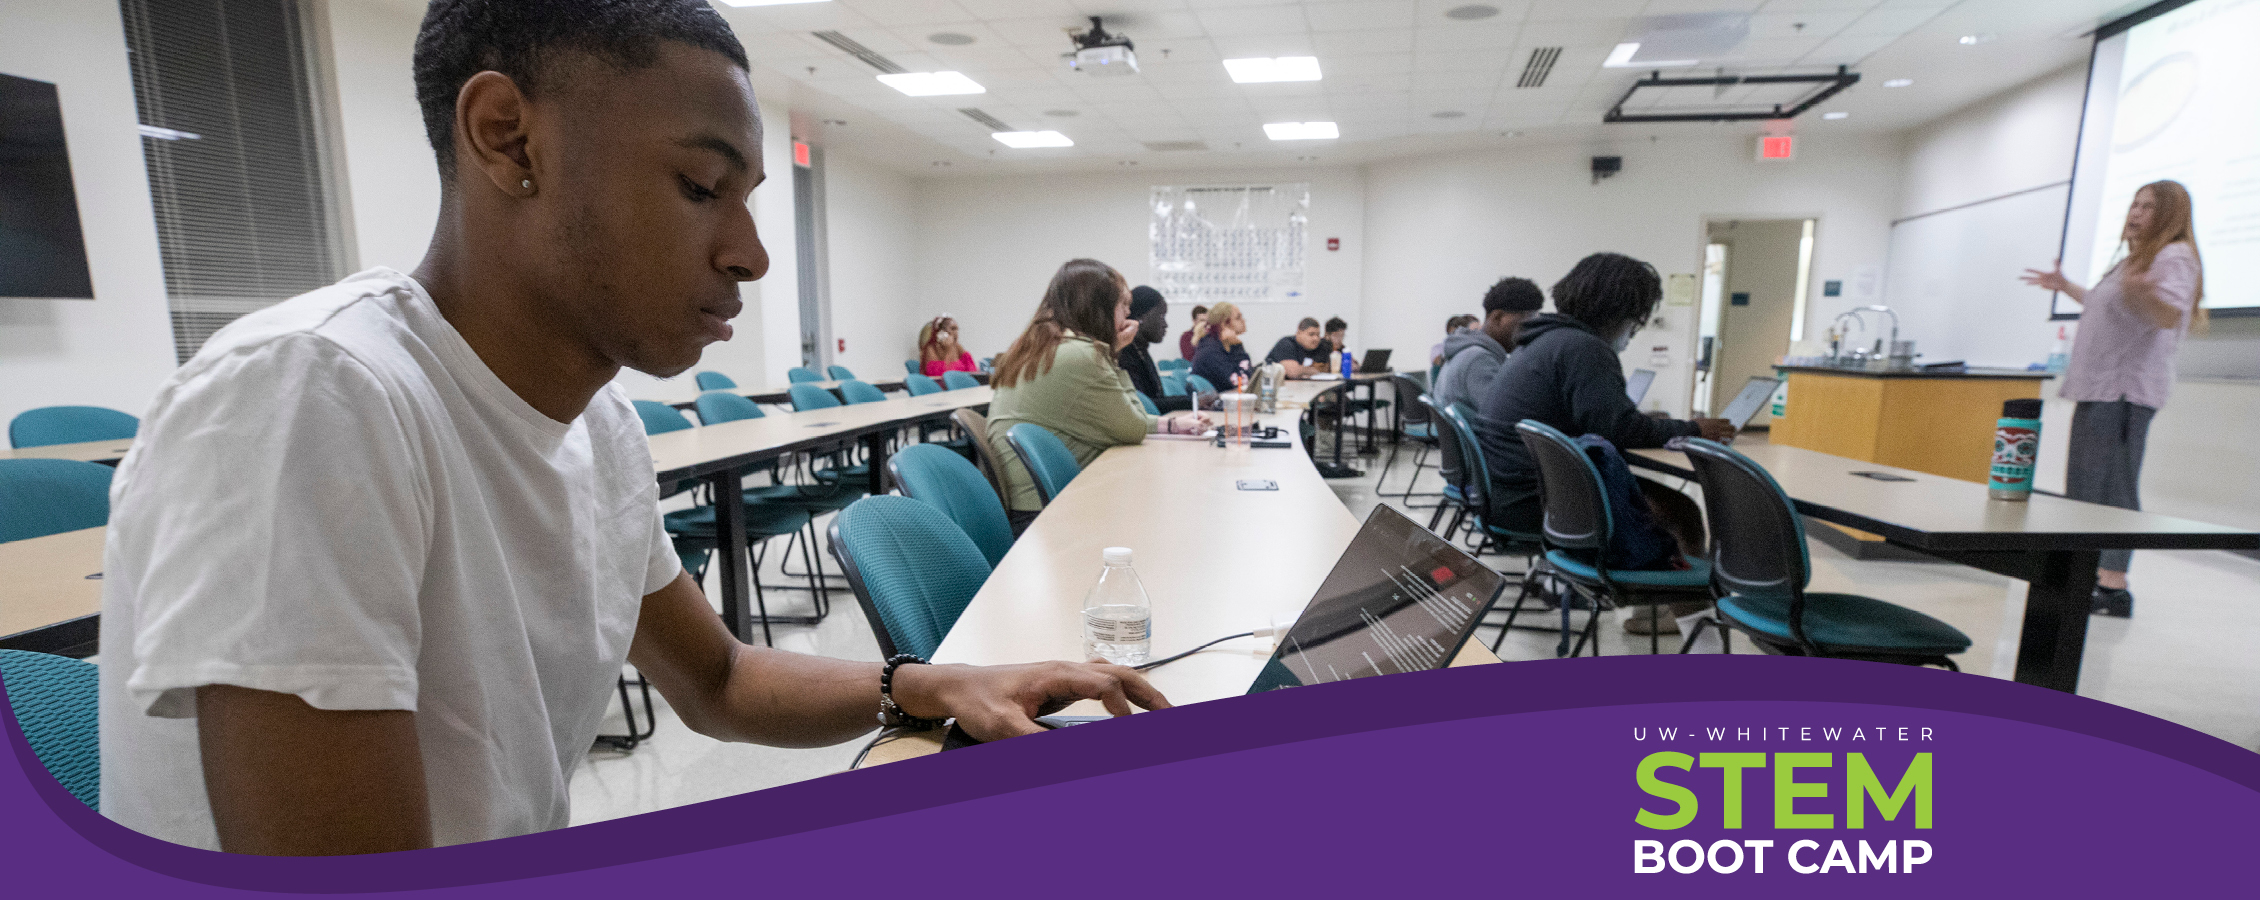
(932, 84)
(1262, 69)
(1302, 131)
(1023, 140)
(1833, 116)
(770, 2)
(1621, 58)
(1899, 82)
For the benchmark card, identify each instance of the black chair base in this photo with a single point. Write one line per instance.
(1779, 647)
(626, 743)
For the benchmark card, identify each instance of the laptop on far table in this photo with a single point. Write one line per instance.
(1375, 361)
(1755, 394)
(1636, 385)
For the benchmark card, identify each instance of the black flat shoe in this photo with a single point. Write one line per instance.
(2115, 602)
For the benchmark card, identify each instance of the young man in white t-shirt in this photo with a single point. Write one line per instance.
(380, 551)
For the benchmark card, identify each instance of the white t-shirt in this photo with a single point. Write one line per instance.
(337, 499)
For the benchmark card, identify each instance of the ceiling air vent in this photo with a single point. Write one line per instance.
(1173, 146)
(869, 56)
(994, 123)
(1541, 65)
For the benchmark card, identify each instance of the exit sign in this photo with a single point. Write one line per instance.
(1777, 146)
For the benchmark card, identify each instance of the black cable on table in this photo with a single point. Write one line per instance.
(1160, 662)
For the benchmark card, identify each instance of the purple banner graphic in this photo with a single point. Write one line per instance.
(1715, 775)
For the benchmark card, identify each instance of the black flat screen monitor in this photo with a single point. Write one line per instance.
(1399, 600)
(42, 250)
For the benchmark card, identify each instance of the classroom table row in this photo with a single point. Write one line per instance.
(1214, 559)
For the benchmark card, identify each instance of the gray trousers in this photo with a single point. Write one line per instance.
(2106, 462)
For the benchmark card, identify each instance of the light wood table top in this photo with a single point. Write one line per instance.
(46, 581)
(1215, 560)
(1935, 512)
(693, 451)
(91, 451)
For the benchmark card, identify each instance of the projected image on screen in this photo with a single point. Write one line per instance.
(2176, 96)
(42, 251)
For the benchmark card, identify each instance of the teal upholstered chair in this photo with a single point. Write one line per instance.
(56, 701)
(839, 373)
(39, 497)
(911, 367)
(912, 570)
(1173, 365)
(798, 374)
(1199, 385)
(930, 473)
(714, 381)
(50, 425)
(806, 396)
(1152, 408)
(1578, 527)
(1173, 384)
(1760, 567)
(1048, 461)
(860, 392)
(920, 385)
(956, 380)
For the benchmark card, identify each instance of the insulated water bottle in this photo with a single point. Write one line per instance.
(2016, 444)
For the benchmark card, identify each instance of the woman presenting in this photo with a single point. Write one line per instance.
(2122, 365)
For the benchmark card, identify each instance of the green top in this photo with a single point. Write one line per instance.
(1085, 400)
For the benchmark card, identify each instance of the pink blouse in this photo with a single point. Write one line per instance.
(964, 363)
(2118, 354)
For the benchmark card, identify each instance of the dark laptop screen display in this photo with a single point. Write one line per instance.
(1399, 600)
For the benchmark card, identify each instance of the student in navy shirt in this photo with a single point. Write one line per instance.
(1220, 356)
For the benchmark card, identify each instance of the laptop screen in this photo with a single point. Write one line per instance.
(1636, 385)
(1374, 361)
(1754, 395)
(1399, 600)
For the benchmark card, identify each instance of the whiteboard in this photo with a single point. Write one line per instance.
(1952, 278)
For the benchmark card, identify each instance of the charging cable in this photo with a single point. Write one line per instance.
(1277, 628)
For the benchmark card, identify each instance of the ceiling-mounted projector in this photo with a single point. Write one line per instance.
(1100, 53)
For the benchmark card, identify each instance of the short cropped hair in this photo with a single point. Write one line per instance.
(1606, 290)
(524, 39)
(1307, 322)
(1199, 311)
(1513, 295)
(1336, 324)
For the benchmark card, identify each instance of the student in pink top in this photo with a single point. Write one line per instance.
(2131, 322)
(938, 350)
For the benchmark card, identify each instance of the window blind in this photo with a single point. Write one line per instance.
(231, 140)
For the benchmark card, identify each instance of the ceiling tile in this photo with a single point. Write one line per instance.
(1013, 9)
(1253, 20)
(1433, 10)
(1466, 38)
(1848, 49)
(1784, 25)
(1583, 10)
(1332, 45)
(1239, 46)
(1372, 14)
(908, 12)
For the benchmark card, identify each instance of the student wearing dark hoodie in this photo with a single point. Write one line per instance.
(1565, 372)
(1151, 312)
(1472, 356)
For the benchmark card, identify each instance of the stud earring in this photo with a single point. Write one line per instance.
(528, 184)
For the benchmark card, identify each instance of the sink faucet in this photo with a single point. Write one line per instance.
(1854, 315)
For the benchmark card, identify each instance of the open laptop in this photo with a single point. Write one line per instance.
(1400, 599)
(1374, 361)
(1636, 384)
(1755, 394)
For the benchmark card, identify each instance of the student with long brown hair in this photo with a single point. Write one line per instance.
(1062, 374)
(2131, 323)
(939, 351)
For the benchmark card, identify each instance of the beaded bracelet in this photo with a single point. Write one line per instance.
(891, 714)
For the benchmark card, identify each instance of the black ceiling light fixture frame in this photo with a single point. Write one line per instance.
(1836, 82)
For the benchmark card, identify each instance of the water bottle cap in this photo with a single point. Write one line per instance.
(1116, 556)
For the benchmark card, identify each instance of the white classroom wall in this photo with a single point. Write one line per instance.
(1443, 228)
(873, 245)
(113, 350)
(987, 246)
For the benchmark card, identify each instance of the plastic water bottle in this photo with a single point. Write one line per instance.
(1117, 618)
(1349, 364)
(2016, 447)
(2059, 358)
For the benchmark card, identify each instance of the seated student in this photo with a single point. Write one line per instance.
(1220, 356)
(1061, 374)
(1565, 372)
(1472, 357)
(939, 351)
(1152, 315)
(281, 679)
(1188, 342)
(1336, 340)
(1298, 352)
(1452, 326)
